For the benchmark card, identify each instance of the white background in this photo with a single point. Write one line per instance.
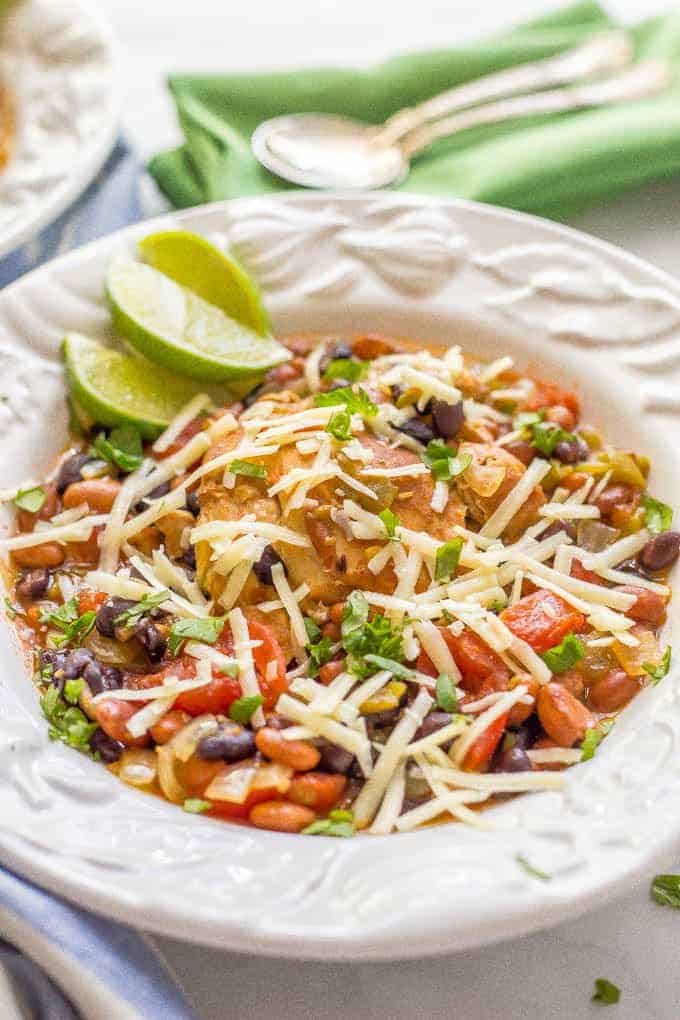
(548, 976)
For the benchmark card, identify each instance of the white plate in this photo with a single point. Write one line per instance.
(579, 311)
(58, 58)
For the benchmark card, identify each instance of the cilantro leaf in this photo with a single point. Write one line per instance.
(62, 616)
(594, 737)
(364, 636)
(446, 559)
(356, 401)
(658, 670)
(67, 722)
(123, 448)
(340, 426)
(196, 806)
(312, 628)
(76, 632)
(30, 499)
(396, 668)
(346, 368)
(338, 823)
(319, 654)
(145, 605)
(391, 522)
(531, 870)
(605, 992)
(72, 691)
(443, 462)
(244, 708)
(445, 694)
(206, 629)
(658, 515)
(562, 657)
(244, 467)
(665, 889)
(74, 628)
(545, 436)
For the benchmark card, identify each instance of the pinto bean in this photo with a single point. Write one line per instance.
(98, 493)
(617, 501)
(613, 691)
(522, 449)
(281, 816)
(330, 670)
(562, 716)
(317, 790)
(572, 681)
(649, 606)
(297, 754)
(49, 554)
(562, 416)
(371, 346)
(171, 723)
(520, 713)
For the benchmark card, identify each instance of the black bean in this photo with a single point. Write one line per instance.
(110, 679)
(431, 723)
(151, 640)
(356, 772)
(417, 429)
(661, 551)
(447, 419)
(108, 612)
(633, 567)
(571, 451)
(188, 558)
(514, 759)
(231, 743)
(263, 567)
(528, 733)
(381, 720)
(558, 526)
(34, 584)
(50, 657)
(161, 490)
(341, 351)
(193, 505)
(334, 758)
(109, 750)
(76, 662)
(70, 470)
(253, 396)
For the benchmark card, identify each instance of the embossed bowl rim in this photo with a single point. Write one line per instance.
(49, 204)
(431, 267)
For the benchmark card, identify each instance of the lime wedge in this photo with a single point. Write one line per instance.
(120, 389)
(198, 265)
(179, 330)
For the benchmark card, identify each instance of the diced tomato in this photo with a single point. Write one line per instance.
(187, 433)
(475, 660)
(113, 715)
(216, 697)
(269, 651)
(579, 571)
(547, 394)
(89, 600)
(481, 750)
(542, 619)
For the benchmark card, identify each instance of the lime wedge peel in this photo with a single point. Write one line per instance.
(200, 266)
(176, 328)
(119, 389)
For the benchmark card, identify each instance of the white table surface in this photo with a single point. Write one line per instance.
(548, 976)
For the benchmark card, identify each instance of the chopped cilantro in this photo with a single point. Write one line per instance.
(443, 462)
(145, 605)
(531, 870)
(12, 610)
(67, 722)
(244, 467)
(605, 992)
(206, 629)
(665, 890)
(391, 522)
(340, 426)
(30, 499)
(313, 629)
(562, 657)
(123, 448)
(346, 368)
(396, 668)
(72, 691)
(545, 436)
(356, 401)
(338, 823)
(658, 515)
(244, 708)
(196, 806)
(320, 648)
(658, 670)
(446, 559)
(74, 628)
(363, 636)
(445, 694)
(61, 617)
(594, 737)
(77, 631)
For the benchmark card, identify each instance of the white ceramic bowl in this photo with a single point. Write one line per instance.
(58, 57)
(576, 310)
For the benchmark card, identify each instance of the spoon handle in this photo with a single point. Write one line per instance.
(644, 79)
(607, 51)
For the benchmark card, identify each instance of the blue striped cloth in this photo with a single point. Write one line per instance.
(60, 962)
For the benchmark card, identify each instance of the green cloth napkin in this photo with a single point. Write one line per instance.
(549, 165)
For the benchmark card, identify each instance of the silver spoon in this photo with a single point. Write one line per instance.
(328, 151)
